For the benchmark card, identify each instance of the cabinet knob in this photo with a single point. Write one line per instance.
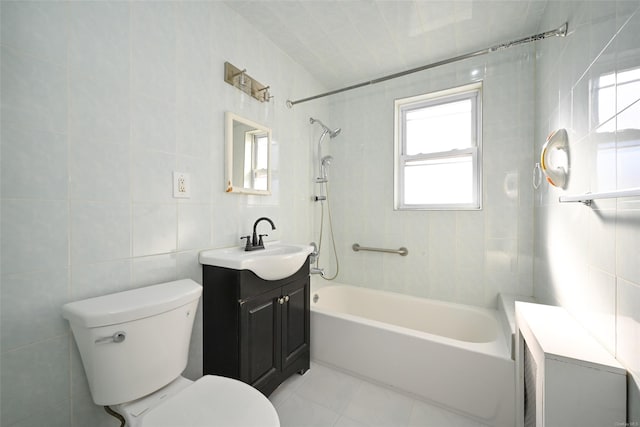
(283, 299)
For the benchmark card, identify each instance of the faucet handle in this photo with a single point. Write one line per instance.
(260, 242)
(247, 246)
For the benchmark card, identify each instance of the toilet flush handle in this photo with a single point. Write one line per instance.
(118, 337)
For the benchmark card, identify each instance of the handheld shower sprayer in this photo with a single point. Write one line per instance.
(324, 162)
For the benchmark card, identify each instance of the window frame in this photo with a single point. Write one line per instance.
(402, 106)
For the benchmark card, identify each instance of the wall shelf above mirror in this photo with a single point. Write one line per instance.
(247, 157)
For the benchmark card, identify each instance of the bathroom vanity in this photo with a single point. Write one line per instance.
(255, 330)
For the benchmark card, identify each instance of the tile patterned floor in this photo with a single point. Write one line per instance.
(325, 397)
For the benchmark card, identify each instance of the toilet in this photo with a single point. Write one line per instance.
(134, 346)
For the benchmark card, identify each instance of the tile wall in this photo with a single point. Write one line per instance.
(101, 101)
(461, 256)
(587, 258)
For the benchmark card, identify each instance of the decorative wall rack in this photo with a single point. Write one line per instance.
(240, 79)
(587, 198)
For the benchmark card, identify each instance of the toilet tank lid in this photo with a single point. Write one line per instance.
(131, 305)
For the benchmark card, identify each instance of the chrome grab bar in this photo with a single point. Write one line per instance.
(401, 251)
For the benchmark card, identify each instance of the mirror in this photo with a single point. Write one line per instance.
(248, 156)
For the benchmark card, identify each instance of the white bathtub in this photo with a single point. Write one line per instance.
(450, 354)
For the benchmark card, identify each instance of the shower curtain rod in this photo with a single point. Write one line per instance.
(559, 32)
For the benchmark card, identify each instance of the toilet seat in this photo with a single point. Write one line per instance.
(214, 401)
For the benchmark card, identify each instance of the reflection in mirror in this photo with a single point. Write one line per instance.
(615, 94)
(248, 152)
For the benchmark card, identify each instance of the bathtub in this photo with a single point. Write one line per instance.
(450, 354)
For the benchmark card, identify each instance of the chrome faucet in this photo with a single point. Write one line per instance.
(256, 240)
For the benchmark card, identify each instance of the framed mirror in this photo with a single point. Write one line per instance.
(248, 156)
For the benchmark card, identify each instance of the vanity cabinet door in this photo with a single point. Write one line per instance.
(255, 330)
(260, 337)
(295, 321)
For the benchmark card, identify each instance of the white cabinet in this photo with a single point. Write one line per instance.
(564, 377)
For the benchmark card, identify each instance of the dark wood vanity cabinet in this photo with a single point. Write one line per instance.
(255, 330)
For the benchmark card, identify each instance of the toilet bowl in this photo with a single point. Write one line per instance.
(208, 402)
(134, 346)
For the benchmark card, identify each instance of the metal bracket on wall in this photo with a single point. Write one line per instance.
(588, 198)
(240, 79)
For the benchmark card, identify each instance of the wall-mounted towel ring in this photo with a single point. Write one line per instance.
(554, 158)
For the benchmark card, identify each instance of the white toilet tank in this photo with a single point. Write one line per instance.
(135, 342)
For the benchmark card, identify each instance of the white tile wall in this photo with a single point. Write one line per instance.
(30, 163)
(465, 257)
(586, 258)
(101, 101)
(38, 374)
(99, 232)
(34, 92)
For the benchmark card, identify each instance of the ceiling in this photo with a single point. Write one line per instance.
(343, 42)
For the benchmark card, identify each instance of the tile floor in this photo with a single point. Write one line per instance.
(325, 397)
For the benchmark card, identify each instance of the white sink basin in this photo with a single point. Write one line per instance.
(276, 261)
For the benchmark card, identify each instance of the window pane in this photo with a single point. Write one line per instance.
(440, 127)
(439, 181)
(262, 157)
(261, 162)
(260, 181)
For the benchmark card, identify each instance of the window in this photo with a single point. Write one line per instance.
(438, 150)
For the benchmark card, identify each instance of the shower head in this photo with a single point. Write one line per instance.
(332, 133)
(326, 160)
